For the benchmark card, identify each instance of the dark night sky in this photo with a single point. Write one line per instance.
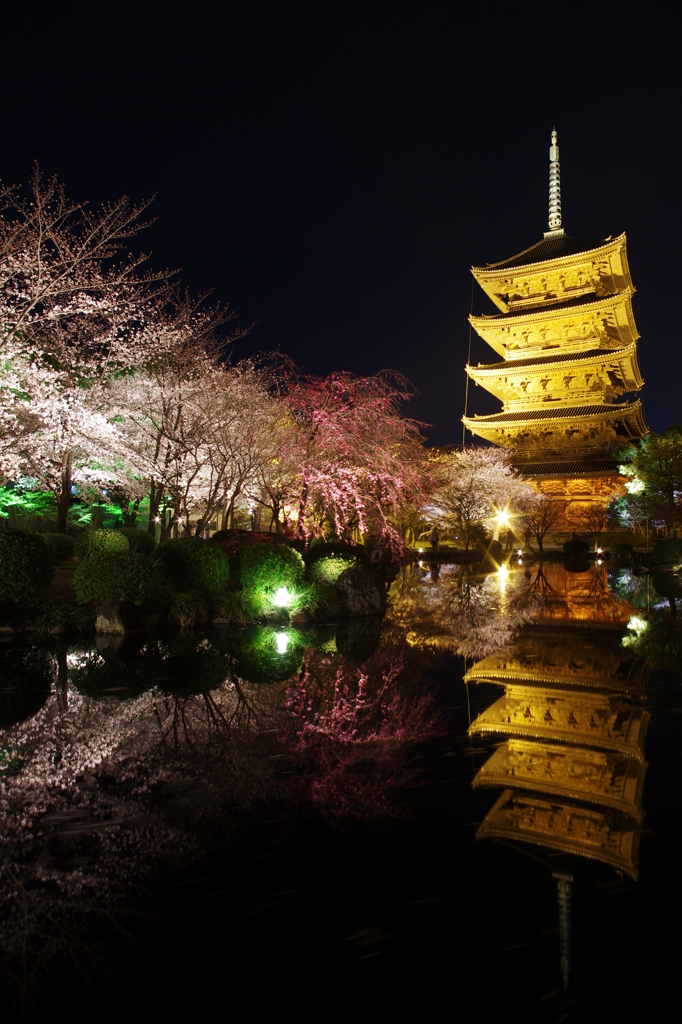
(332, 171)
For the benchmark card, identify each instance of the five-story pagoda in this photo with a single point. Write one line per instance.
(567, 339)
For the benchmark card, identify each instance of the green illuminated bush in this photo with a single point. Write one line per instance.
(62, 546)
(91, 542)
(116, 576)
(26, 565)
(331, 549)
(327, 570)
(139, 540)
(191, 563)
(267, 567)
(309, 596)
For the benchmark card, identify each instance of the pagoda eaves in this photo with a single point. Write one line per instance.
(598, 323)
(602, 270)
(563, 432)
(574, 378)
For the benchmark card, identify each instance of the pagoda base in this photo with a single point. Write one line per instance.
(578, 484)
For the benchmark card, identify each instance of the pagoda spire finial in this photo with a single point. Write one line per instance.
(554, 186)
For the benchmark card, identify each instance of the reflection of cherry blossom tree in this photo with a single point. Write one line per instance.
(101, 793)
(350, 731)
(466, 614)
(102, 796)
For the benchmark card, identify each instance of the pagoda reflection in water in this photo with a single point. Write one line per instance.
(572, 724)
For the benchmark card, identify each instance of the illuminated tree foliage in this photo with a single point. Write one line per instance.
(472, 485)
(114, 384)
(653, 466)
(362, 462)
(71, 300)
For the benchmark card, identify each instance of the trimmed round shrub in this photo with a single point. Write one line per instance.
(92, 542)
(576, 548)
(222, 535)
(116, 576)
(62, 546)
(666, 552)
(139, 540)
(267, 567)
(667, 584)
(191, 563)
(26, 565)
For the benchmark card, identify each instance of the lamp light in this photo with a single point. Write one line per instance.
(282, 641)
(282, 598)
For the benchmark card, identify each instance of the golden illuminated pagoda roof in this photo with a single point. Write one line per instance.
(565, 431)
(556, 270)
(575, 325)
(565, 658)
(576, 378)
(588, 719)
(600, 777)
(603, 834)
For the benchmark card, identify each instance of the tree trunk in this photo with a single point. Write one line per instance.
(166, 526)
(301, 512)
(538, 538)
(130, 515)
(154, 501)
(65, 496)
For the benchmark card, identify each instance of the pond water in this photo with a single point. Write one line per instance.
(471, 805)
